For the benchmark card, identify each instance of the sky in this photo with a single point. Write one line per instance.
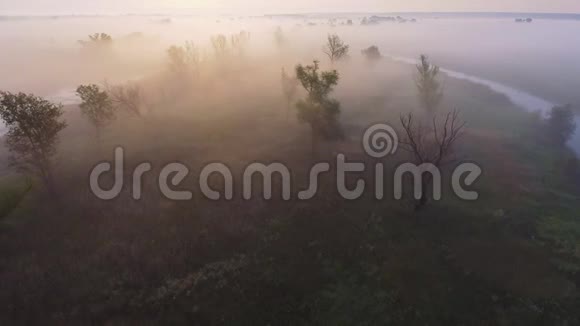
(280, 6)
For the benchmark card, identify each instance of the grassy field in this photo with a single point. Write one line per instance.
(510, 258)
(13, 190)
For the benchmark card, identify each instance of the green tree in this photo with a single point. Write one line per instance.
(97, 106)
(289, 88)
(335, 48)
(428, 85)
(317, 109)
(561, 124)
(372, 53)
(97, 39)
(97, 44)
(33, 127)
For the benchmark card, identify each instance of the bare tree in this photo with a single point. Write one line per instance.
(127, 98)
(239, 43)
(335, 48)
(177, 61)
(33, 127)
(431, 144)
(184, 59)
(428, 86)
(220, 46)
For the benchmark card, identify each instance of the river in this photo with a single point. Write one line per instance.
(520, 98)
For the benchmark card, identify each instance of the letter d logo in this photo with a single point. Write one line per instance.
(106, 167)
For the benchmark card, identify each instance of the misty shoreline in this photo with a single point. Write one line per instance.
(518, 97)
(522, 99)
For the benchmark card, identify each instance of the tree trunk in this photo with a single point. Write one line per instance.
(425, 184)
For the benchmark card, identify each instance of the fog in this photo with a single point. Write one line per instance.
(538, 58)
(483, 229)
(43, 54)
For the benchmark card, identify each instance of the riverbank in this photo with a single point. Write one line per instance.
(522, 99)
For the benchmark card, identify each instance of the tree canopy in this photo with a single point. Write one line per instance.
(96, 105)
(318, 109)
(428, 85)
(33, 127)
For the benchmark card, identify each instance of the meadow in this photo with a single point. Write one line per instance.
(510, 258)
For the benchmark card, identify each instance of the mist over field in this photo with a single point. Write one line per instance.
(495, 95)
(520, 55)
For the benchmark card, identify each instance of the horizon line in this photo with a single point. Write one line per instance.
(206, 12)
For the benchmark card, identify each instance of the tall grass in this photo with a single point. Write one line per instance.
(13, 190)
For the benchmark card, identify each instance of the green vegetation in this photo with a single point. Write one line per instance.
(318, 110)
(97, 40)
(96, 106)
(33, 128)
(372, 53)
(12, 192)
(510, 258)
(428, 85)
